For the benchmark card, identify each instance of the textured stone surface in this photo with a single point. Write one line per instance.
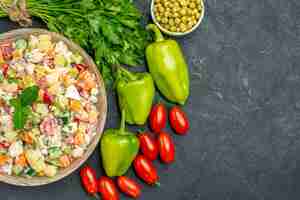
(244, 108)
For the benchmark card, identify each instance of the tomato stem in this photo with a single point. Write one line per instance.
(157, 184)
(141, 130)
(96, 196)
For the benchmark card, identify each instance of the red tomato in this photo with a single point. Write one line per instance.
(6, 50)
(5, 68)
(158, 117)
(178, 120)
(80, 67)
(4, 145)
(88, 180)
(148, 146)
(166, 148)
(145, 169)
(129, 186)
(47, 98)
(107, 189)
(49, 126)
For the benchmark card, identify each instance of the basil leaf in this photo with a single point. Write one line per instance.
(18, 118)
(22, 106)
(14, 102)
(29, 95)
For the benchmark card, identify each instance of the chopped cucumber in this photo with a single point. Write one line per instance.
(29, 172)
(54, 152)
(17, 170)
(21, 44)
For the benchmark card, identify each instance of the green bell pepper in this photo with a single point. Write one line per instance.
(168, 67)
(135, 94)
(118, 149)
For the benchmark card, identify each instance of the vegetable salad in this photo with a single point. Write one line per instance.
(48, 111)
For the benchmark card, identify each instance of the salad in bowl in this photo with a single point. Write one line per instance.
(49, 111)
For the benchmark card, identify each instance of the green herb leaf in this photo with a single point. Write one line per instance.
(22, 106)
(14, 102)
(20, 117)
(29, 95)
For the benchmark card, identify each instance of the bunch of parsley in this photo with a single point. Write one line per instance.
(109, 30)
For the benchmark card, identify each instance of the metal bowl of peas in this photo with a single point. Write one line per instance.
(177, 17)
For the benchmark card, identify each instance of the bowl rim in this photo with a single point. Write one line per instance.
(177, 33)
(101, 105)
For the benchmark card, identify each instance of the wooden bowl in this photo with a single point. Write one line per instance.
(102, 108)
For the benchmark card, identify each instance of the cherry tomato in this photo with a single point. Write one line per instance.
(158, 117)
(148, 145)
(88, 180)
(4, 145)
(145, 169)
(80, 67)
(6, 50)
(47, 98)
(129, 186)
(178, 120)
(49, 126)
(107, 189)
(166, 148)
(5, 68)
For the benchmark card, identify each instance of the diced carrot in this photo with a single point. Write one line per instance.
(75, 105)
(90, 84)
(21, 160)
(27, 137)
(51, 52)
(3, 159)
(67, 80)
(84, 75)
(64, 161)
(79, 138)
(1, 58)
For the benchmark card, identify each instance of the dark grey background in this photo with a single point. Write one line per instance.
(244, 141)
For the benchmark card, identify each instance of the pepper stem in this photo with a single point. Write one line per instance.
(127, 73)
(158, 35)
(122, 126)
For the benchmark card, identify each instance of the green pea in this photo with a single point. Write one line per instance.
(183, 3)
(161, 9)
(171, 22)
(192, 5)
(177, 20)
(182, 27)
(164, 20)
(173, 29)
(184, 19)
(168, 5)
(176, 14)
(190, 24)
(197, 16)
(195, 11)
(165, 26)
(21, 44)
(183, 12)
(198, 1)
(175, 9)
